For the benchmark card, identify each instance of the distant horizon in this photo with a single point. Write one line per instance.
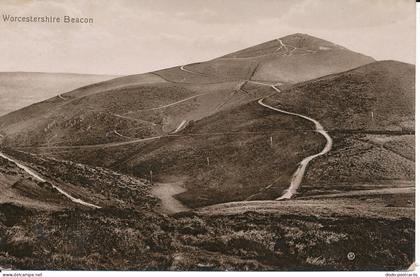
(69, 73)
(121, 75)
(132, 37)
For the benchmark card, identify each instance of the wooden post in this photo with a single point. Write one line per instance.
(271, 142)
(208, 161)
(151, 176)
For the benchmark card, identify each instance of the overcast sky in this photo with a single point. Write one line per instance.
(135, 36)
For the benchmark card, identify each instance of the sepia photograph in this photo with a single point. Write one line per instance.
(207, 135)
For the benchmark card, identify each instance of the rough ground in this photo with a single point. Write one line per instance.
(200, 126)
(258, 235)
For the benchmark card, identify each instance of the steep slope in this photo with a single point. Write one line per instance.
(211, 136)
(118, 114)
(291, 59)
(158, 103)
(375, 97)
(64, 181)
(247, 147)
(20, 89)
(251, 152)
(369, 112)
(40, 229)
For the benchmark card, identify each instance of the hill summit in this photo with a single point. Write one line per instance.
(156, 103)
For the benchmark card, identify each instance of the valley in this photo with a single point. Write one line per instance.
(286, 155)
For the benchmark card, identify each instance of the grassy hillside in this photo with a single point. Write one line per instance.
(298, 68)
(297, 40)
(375, 97)
(291, 59)
(100, 186)
(20, 188)
(133, 111)
(370, 113)
(362, 162)
(128, 233)
(242, 160)
(196, 136)
(20, 89)
(228, 156)
(237, 143)
(140, 105)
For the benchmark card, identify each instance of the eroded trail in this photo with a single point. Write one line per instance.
(190, 71)
(39, 178)
(180, 127)
(172, 104)
(25, 168)
(300, 171)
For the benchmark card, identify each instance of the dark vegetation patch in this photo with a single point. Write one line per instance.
(126, 239)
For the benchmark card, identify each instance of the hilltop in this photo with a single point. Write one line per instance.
(157, 103)
(290, 59)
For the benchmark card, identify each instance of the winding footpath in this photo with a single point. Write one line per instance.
(39, 178)
(121, 135)
(300, 171)
(189, 71)
(281, 45)
(61, 97)
(93, 146)
(170, 104)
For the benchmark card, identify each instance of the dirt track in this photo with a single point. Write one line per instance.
(41, 179)
(300, 172)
